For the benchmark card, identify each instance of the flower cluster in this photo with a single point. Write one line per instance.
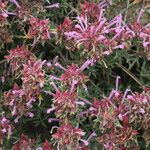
(93, 31)
(65, 103)
(73, 73)
(117, 113)
(116, 138)
(16, 100)
(57, 91)
(104, 111)
(98, 36)
(24, 143)
(19, 56)
(139, 104)
(20, 100)
(142, 32)
(68, 137)
(5, 128)
(33, 76)
(39, 29)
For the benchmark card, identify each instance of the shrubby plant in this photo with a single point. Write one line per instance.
(59, 64)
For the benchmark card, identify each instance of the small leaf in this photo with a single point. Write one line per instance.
(117, 123)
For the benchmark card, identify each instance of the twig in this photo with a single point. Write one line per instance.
(130, 74)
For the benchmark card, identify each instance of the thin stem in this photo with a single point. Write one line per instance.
(131, 75)
(126, 13)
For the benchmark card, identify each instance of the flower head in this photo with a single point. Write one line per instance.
(39, 29)
(117, 138)
(19, 56)
(33, 75)
(65, 103)
(74, 73)
(16, 100)
(68, 136)
(5, 128)
(139, 107)
(25, 143)
(90, 9)
(25, 9)
(105, 111)
(94, 36)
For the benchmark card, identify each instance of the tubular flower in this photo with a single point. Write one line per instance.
(55, 5)
(19, 56)
(39, 29)
(25, 143)
(73, 73)
(33, 77)
(95, 36)
(68, 137)
(5, 128)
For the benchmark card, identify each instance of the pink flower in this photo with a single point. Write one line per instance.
(101, 110)
(46, 146)
(116, 138)
(39, 29)
(64, 103)
(86, 33)
(4, 13)
(5, 128)
(94, 36)
(18, 56)
(92, 10)
(73, 73)
(68, 136)
(25, 143)
(139, 107)
(33, 75)
(16, 99)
